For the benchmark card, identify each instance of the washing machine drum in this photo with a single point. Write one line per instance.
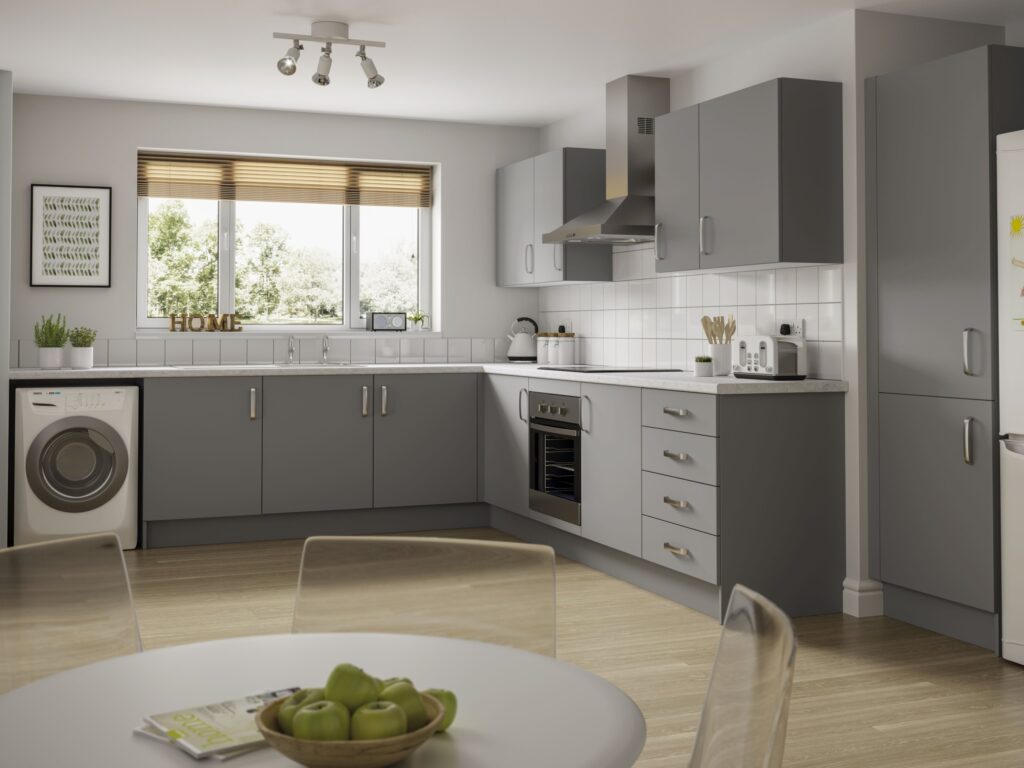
(77, 464)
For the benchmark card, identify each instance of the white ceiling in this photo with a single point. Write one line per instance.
(517, 62)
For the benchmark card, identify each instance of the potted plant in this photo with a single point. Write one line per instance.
(416, 318)
(81, 346)
(51, 335)
(703, 366)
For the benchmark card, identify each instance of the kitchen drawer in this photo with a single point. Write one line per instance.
(680, 454)
(699, 551)
(680, 411)
(682, 502)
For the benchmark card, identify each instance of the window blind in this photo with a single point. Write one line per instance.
(215, 177)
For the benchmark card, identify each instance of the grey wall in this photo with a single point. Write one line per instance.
(6, 106)
(94, 142)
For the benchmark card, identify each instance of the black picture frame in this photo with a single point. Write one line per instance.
(37, 275)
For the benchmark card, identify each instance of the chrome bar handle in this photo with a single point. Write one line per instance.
(967, 351)
(676, 456)
(529, 258)
(383, 400)
(586, 399)
(366, 400)
(677, 551)
(677, 503)
(968, 451)
(521, 393)
(252, 403)
(675, 411)
(657, 241)
(554, 257)
(700, 234)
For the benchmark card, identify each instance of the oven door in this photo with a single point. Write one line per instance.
(555, 471)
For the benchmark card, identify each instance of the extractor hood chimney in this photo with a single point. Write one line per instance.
(627, 216)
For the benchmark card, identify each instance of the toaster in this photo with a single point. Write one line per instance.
(769, 357)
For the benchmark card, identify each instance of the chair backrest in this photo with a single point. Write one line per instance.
(477, 590)
(744, 718)
(63, 604)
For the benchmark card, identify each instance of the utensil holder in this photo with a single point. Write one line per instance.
(721, 359)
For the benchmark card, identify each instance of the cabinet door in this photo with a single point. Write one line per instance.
(611, 493)
(933, 167)
(506, 442)
(739, 177)
(202, 447)
(424, 439)
(677, 189)
(936, 511)
(515, 224)
(317, 443)
(548, 214)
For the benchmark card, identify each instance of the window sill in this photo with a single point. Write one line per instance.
(254, 330)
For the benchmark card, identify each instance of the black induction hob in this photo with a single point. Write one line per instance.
(605, 369)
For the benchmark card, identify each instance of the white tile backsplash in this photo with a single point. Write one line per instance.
(482, 350)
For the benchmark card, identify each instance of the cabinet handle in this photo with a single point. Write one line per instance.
(677, 456)
(700, 234)
(366, 401)
(588, 401)
(521, 393)
(383, 400)
(967, 352)
(252, 403)
(677, 551)
(554, 257)
(657, 240)
(968, 452)
(528, 256)
(675, 411)
(677, 503)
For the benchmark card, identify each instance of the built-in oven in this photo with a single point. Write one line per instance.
(555, 456)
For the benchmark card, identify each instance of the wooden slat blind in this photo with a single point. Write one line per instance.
(217, 177)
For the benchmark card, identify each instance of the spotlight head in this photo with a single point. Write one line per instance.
(373, 77)
(375, 82)
(290, 62)
(323, 66)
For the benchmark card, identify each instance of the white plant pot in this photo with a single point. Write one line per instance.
(703, 369)
(81, 357)
(721, 359)
(51, 357)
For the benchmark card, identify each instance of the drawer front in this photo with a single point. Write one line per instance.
(691, 552)
(680, 454)
(680, 411)
(682, 502)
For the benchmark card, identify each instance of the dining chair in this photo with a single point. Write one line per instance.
(63, 603)
(743, 723)
(492, 591)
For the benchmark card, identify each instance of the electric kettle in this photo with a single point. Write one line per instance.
(523, 348)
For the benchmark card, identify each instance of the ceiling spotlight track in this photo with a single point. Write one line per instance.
(328, 33)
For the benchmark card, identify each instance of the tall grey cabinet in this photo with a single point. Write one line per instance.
(932, 130)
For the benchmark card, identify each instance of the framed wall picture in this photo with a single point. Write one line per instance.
(70, 236)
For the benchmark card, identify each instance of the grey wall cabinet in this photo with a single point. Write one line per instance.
(424, 439)
(202, 447)
(537, 195)
(506, 435)
(752, 177)
(316, 439)
(611, 483)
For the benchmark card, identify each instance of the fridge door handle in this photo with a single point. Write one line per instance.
(968, 448)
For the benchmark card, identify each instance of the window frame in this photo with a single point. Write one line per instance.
(352, 322)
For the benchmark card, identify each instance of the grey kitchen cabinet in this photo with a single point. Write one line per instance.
(317, 431)
(537, 195)
(937, 497)
(202, 447)
(770, 176)
(424, 439)
(677, 190)
(611, 497)
(506, 437)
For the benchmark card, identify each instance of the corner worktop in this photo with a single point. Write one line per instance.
(681, 382)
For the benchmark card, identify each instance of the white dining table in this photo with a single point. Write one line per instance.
(516, 709)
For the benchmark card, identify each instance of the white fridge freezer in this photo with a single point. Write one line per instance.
(1010, 229)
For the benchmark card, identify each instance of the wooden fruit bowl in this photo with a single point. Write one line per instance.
(376, 753)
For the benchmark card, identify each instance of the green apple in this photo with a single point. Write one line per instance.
(447, 698)
(408, 698)
(350, 686)
(378, 720)
(377, 682)
(294, 703)
(392, 680)
(321, 721)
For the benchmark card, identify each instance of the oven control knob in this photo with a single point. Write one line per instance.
(543, 407)
(563, 411)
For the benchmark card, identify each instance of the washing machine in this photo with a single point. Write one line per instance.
(76, 463)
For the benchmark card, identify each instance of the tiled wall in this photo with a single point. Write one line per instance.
(647, 319)
(220, 349)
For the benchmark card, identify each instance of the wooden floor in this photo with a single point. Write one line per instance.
(869, 692)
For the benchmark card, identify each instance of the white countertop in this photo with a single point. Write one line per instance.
(683, 382)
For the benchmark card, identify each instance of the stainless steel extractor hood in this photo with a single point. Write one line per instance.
(627, 216)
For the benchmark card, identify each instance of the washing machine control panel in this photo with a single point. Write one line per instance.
(77, 400)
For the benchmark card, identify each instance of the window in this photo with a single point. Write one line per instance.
(284, 262)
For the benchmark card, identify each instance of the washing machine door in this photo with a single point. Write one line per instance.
(77, 464)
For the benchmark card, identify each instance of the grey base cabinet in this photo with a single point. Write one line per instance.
(201, 447)
(424, 439)
(506, 448)
(317, 434)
